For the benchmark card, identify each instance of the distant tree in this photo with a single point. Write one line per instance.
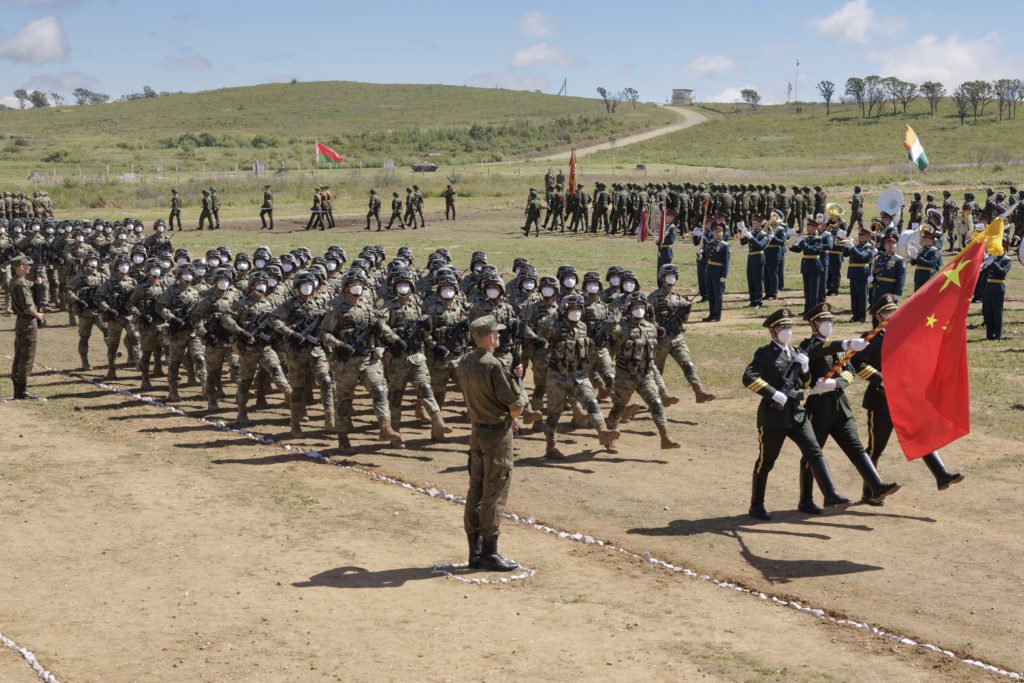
(874, 95)
(631, 95)
(1018, 97)
(1007, 92)
(38, 99)
(22, 96)
(58, 99)
(890, 86)
(933, 91)
(979, 93)
(751, 97)
(148, 92)
(827, 90)
(81, 95)
(611, 101)
(856, 89)
(906, 93)
(98, 98)
(962, 101)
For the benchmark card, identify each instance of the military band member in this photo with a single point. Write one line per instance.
(811, 248)
(858, 269)
(778, 373)
(928, 261)
(890, 270)
(717, 272)
(665, 251)
(775, 258)
(995, 269)
(868, 364)
(756, 240)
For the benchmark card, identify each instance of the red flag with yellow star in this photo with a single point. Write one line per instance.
(925, 353)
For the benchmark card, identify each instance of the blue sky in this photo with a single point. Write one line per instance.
(118, 46)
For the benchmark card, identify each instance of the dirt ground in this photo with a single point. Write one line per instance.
(143, 545)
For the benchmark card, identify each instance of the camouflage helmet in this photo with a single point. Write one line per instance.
(571, 301)
(184, 269)
(548, 281)
(491, 280)
(636, 299)
(304, 276)
(613, 271)
(666, 269)
(353, 274)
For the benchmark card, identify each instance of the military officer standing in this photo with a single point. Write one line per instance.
(494, 402)
(890, 270)
(994, 270)
(449, 203)
(777, 374)
(717, 271)
(774, 257)
(858, 269)
(175, 210)
(665, 254)
(26, 318)
(267, 210)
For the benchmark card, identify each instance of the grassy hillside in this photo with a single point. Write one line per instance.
(215, 130)
(777, 138)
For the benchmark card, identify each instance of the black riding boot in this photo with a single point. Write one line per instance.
(823, 475)
(875, 487)
(943, 477)
(475, 549)
(757, 509)
(807, 503)
(490, 559)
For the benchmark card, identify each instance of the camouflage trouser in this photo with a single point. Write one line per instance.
(251, 358)
(442, 373)
(131, 339)
(306, 365)
(216, 354)
(86, 321)
(490, 476)
(644, 383)
(5, 284)
(53, 284)
(24, 350)
(401, 371)
(564, 388)
(183, 344)
(366, 370)
(150, 338)
(540, 378)
(601, 367)
(676, 347)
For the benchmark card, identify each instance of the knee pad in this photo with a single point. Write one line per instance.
(592, 407)
(380, 394)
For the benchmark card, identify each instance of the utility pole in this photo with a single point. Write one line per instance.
(796, 83)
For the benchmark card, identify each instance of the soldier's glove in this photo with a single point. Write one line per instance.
(661, 331)
(804, 361)
(345, 351)
(296, 338)
(540, 343)
(424, 318)
(399, 346)
(110, 314)
(854, 345)
(249, 337)
(441, 352)
(823, 387)
(722, 280)
(177, 321)
(779, 398)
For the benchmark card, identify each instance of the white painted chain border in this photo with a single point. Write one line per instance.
(30, 659)
(576, 537)
(449, 571)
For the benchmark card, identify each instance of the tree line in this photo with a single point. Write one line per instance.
(83, 97)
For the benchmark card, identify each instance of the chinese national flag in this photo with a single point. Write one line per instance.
(925, 353)
(572, 173)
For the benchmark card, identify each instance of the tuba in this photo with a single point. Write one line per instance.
(891, 202)
(834, 212)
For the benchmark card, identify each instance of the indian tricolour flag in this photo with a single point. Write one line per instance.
(327, 156)
(915, 152)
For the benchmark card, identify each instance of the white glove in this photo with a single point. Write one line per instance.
(822, 387)
(989, 260)
(748, 234)
(804, 361)
(871, 278)
(800, 239)
(779, 398)
(721, 279)
(855, 344)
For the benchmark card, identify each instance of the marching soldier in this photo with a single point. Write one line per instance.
(859, 257)
(538, 317)
(327, 206)
(949, 211)
(81, 293)
(581, 212)
(112, 301)
(857, 208)
(410, 208)
(829, 410)
(418, 206)
(532, 212)
(449, 203)
(316, 215)
(174, 307)
(868, 364)
(928, 261)
(373, 210)
(142, 304)
(916, 210)
(995, 269)
(671, 311)
(267, 210)
(889, 271)
(777, 374)
(26, 318)
(756, 241)
(175, 210)
(600, 216)
(206, 213)
(214, 209)
(556, 210)
(396, 211)
(449, 329)
(717, 270)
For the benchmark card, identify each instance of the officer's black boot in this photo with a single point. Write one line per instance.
(874, 486)
(491, 560)
(823, 475)
(475, 549)
(757, 509)
(807, 503)
(943, 477)
(19, 392)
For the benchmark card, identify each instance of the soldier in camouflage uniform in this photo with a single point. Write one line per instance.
(208, 316)
(111, 300)
(396, 211)
(174, 306)
(671, 311)
(449, 330)
(27, 317)
(214, 209)
(373, 210)
(570, 347)
(596, 313)
(635, 342)
(538, 316)
(175, 210)
(206, 213)
(81, 293)
(351, 332)
(532, 212)
(142, 304)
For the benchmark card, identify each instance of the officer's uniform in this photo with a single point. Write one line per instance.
(24, 328)
(993, 295)
(889, 274)
(756, 243)
(926, 264)
(716, 273)
(858, 266)
(665, 254)
(812, 268)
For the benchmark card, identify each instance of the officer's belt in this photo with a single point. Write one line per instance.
(716, 263)
(886, 279)
(857, 265)
(500, 425)
(812, 256)
(995, 282)
(922, 267)
(664, 246)
(835, 251)
(755, 253)
(774, 246)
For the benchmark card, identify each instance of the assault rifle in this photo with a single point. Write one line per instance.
(84, 298)
(305, 331)
(673, 324)
(414, 331)
(259, 331)
(181, 319)
(118, 309)
(454, 336)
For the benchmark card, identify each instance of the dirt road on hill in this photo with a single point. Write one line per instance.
(690, 118)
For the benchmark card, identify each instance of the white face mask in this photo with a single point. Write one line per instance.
(547, 292)
(181, 260)
(201, 271)
(593, 287)
(165, 264)
(155, 272)
(123, 267)
(447, 293)
(403, 288)
(478, 267)
(260, 262)
(138, 229)
(79, 239)
(186, 277)
(355, 290)
(286, 267)
(332, 266)
(306, 288)
(569, 282)
(213, 262)
(637, 312)
(159, 228)
(121, 237)
(273, 282)
(614, 280)
(493, 292)
(91, 263)
(628, 286)
(260, 287)
(529, 285)
(138, 259)
(825, 330)
(223, 285)
(242, 266)
(574, 314)
(784, 336)
(670, 279)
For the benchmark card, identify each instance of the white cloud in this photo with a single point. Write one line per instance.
(537, 25)
(734, 95)
(187, 62)
(40, 42)
(9, 101)
(950, 60)
(541, 54)
(490, 79)
(64, 81)
(852, 22)
(708, 65)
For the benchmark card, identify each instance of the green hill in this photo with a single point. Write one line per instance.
(215, 130)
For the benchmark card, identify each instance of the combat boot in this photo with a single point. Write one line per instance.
(579, 417)
(173, 370)
(243, 417)
(823, 475)
(630, 411)
(529, 416)
(158, 367)
(344, 445)
(666, 441)
(387, 433)
(111, 368)
(667, 399)
(19, 392)
(191, 375)
(329, 426)
(296, 421)
(807, 504)
(491, 560)
(420, 415)
(701, 395)
(84, 356)
(943, 477)
(438, 428)
(475, 549)
(552, 452)
(607, 437)
(873, 484)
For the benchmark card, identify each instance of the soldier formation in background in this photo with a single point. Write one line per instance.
(21, 205)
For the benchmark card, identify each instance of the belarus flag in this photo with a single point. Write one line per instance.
(325, 155)
(915, 152)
